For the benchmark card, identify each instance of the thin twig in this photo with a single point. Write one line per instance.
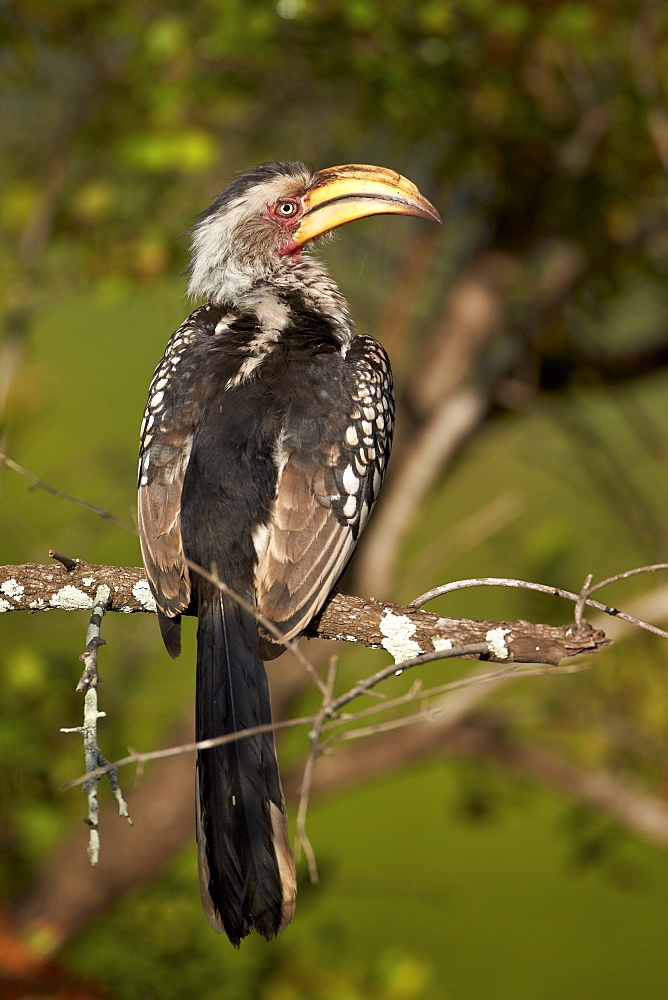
(578, 613)
(505, 673)
(363, 686)
(90, 676)
(302, 839)
(494, 581)
(653, 568)
(138, 757)
(94, 761)
(69, 564)
(91, 761)
(41, 485)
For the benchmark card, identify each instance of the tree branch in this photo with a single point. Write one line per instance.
(404, 632)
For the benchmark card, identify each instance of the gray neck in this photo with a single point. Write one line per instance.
(272, 297)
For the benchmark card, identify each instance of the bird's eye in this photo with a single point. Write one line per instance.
(286, 209)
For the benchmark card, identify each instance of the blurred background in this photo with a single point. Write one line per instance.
(517, 847)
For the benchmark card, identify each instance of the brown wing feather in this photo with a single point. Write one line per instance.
(162, 549)
(166, 438)
(305, 553)
(324, 496)
(159, 522)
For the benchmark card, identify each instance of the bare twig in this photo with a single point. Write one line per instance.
(142, 600)
(493, 581)
(429, 713)
(41, 485)
(578, 612)
(137, 757)
(653, 568)
(363, 686)
(65, 561)
(417, 693)
(90, 676)
(93, 758)
(302, 839)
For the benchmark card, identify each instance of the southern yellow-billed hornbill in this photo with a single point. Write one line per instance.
(266, 435)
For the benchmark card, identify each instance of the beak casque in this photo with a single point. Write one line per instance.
(353, 191)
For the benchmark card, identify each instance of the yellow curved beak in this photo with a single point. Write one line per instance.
(353, 191)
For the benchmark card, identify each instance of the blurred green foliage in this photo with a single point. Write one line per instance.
(535, 127)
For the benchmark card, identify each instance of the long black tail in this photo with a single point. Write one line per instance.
(246, 868)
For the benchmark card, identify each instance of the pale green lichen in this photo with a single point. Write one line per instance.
(70, 598)
(142, 593)
(496, 640)
(12, 588)
(398, 630)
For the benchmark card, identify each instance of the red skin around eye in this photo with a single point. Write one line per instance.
(289, 221)
(289, 248)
